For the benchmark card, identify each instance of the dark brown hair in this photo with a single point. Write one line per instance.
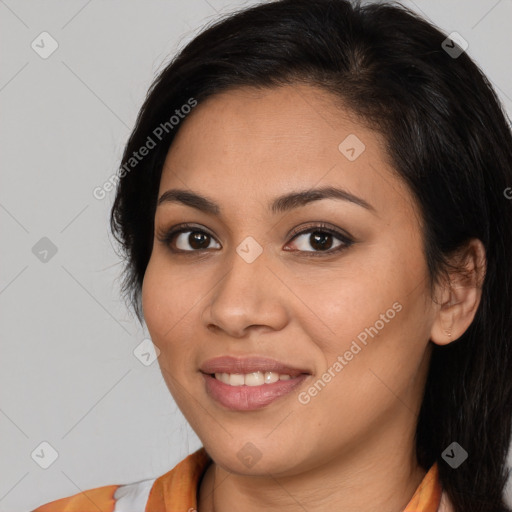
(448, 139)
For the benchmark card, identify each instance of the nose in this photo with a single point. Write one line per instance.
(248, 297)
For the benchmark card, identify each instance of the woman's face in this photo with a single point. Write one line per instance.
(331, 286)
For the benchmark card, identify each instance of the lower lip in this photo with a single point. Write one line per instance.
(248, 398)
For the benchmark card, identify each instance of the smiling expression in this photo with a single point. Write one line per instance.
(273, 241)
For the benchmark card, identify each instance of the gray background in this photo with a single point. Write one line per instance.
(68, 373)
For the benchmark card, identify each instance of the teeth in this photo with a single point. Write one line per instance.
(251, 379)
(271, 377)
(237, 379)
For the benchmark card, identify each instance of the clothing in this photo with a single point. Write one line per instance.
(176, 491)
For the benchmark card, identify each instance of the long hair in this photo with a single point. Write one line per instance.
(448, 139)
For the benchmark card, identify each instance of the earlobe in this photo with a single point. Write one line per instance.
(460, 297)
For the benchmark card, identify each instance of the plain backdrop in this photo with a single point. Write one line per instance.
(69, 376)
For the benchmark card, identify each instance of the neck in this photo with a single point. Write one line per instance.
(374, 481)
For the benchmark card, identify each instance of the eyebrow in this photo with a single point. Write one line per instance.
(280, 204)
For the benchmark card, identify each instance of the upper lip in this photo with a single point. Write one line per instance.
(230, 364)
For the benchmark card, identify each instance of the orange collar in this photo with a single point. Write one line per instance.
(428, 494)
(177, 489)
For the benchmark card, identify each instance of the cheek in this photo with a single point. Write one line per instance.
(351, 300)
(168, 301)
(373, 318)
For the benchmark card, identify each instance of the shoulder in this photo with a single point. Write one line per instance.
(110, 498)
(178, 485)
(446, 504)
(94, 500)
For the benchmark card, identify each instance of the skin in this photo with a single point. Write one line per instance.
(351, 447)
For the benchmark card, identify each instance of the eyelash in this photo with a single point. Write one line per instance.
(168, 237)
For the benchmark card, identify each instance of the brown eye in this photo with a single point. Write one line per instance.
(197, 240)
(189, 240)
(320, 240)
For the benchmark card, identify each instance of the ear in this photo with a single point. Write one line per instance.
(457, 300)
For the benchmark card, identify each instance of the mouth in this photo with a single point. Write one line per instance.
(250, 365)
(245, 384)
(250, 379)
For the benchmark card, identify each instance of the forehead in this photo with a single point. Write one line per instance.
(261, 143)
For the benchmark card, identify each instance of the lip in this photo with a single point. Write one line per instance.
(247, 398)
(230, 364)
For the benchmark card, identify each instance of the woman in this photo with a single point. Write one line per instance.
(313, 210)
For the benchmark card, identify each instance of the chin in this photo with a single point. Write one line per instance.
(255, 455)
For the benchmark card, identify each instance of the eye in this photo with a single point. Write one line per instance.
(318, 240)
(322, 239)
(186, 239)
